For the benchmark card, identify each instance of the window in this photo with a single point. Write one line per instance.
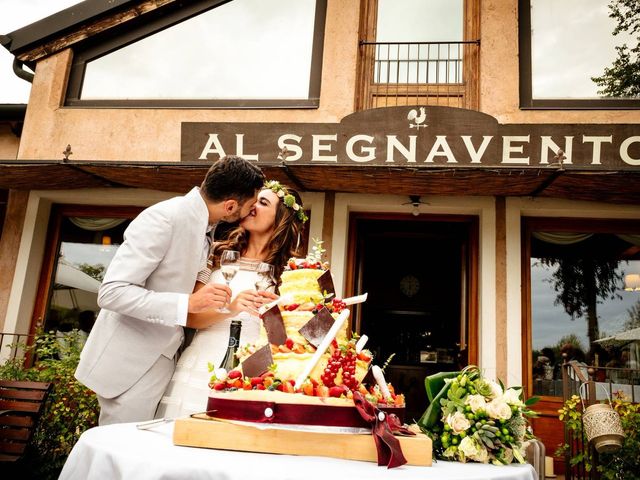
(243, 53)
(419, 52)
(583, 301)
(81, 243)
(571, 58)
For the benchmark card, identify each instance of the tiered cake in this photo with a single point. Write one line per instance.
(305, 367)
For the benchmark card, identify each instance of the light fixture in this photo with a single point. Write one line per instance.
(415, 202)
(632, 282)
(106, 243)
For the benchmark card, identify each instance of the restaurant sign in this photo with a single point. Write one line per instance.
(417, 137)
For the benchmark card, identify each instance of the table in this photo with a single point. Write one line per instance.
(122, 451)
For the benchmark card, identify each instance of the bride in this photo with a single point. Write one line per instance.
(269, 234)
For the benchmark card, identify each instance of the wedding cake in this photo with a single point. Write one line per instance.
(305, 367)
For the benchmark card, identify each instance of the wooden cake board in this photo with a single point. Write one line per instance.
(210, 433)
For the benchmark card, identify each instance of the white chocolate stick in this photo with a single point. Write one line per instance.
(382, 383)
(356, 299)
(288, 298)
(324, 345)
(361, 343)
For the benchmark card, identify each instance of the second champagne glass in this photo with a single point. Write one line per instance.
(229, 266)
(265, 276)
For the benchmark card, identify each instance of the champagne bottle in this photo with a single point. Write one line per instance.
(230, 361)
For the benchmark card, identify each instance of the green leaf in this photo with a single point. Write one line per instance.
(434, 383)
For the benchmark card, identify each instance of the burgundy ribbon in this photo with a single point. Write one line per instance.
(383, 426)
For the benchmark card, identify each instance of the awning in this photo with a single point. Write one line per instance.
(602, 185)
(621, 338)
(69, 276)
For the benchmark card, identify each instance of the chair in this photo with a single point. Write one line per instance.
(21, 405)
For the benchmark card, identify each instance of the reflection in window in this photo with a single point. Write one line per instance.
(87, 246)
(572, 44)
(416, 41)
(582, 305)
(245, 49)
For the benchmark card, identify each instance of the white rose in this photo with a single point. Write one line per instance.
(496, 389)
(458, 422)
(468, 447)
(476, 402)
(499, 409)
(512, 397)
(280, 193)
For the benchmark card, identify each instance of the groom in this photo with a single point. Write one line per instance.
(147, 290)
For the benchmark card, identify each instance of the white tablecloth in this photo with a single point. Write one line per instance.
(124, 452)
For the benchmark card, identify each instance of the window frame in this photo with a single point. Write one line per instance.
(101, 45)
(527, 102)
(470, 38)
(556, 224)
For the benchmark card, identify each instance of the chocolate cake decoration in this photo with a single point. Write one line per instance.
(318, 327)
(274, 326)
(258, 363)
(325, 282)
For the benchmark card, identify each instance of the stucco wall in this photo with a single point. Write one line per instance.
(8, 143)
(154, 135)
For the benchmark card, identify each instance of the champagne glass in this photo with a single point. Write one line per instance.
(229, 266)
(265, 276)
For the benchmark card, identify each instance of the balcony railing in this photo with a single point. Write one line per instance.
(418, 73)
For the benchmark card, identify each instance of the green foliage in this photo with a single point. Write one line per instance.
(95, 271)
(71, 408)
(622, 464)
(622, 79)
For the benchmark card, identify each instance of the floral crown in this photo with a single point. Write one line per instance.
(287, 198)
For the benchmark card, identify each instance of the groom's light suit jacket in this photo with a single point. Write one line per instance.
(146, 284)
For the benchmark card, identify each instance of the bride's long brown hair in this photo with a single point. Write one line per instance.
(282, 245)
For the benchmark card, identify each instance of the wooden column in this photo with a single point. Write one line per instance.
(501, 288)
(10, 245)
(327, 222)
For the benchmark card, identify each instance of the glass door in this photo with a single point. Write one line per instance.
(418, 276)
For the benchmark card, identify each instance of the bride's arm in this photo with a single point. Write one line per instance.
(246, 301)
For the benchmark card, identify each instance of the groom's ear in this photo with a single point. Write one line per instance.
(230, 206)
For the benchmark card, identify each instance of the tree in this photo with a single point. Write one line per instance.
(634, 317)
(622, 79)
(580, 283)
(95, 271)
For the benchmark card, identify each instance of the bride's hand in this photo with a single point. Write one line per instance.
(250, 301)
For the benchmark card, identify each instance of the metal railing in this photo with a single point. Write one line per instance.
(419, 73)
(617, 382)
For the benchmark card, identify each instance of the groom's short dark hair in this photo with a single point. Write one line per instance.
(232, 177)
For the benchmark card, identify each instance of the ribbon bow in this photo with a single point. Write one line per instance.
(383, 426)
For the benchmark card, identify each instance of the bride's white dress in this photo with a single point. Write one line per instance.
(187, 392)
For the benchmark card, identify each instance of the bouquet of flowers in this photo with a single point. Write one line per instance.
(471, 418)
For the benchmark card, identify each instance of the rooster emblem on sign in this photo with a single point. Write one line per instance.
(418, 120)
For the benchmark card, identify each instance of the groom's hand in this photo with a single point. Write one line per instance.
(211, 295)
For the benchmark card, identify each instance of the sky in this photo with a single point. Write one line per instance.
(15, 14)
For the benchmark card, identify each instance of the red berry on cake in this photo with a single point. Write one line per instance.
(289, 343)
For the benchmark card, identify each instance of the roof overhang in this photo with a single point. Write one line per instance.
(603, 186)
(95, 20)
